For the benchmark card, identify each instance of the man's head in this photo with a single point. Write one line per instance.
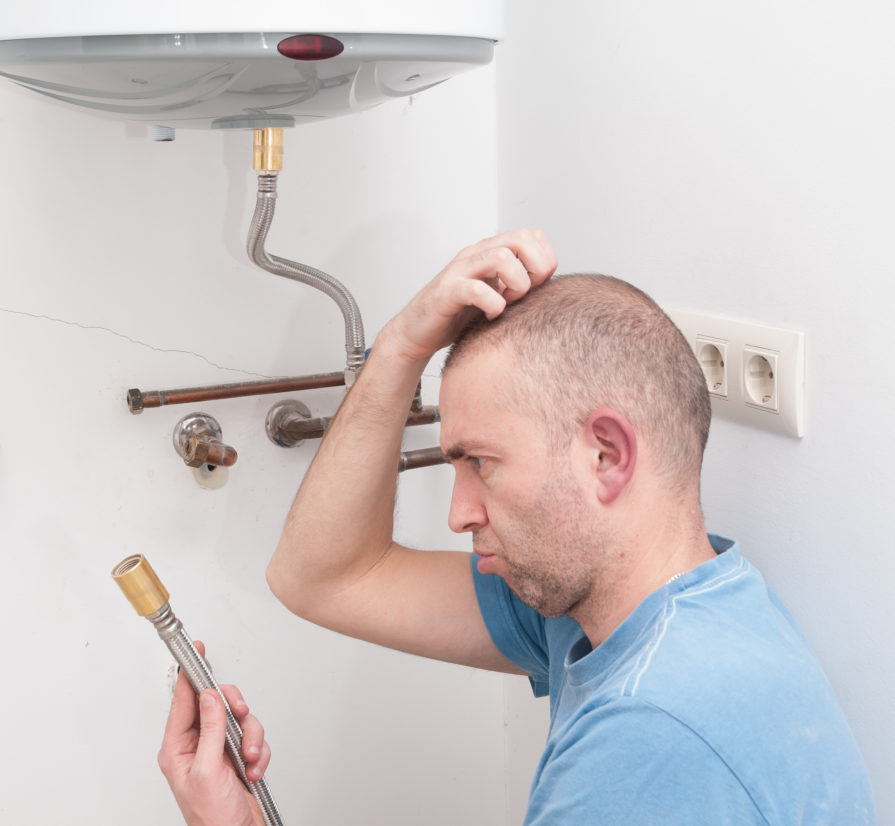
(583, 342)
(575, 423)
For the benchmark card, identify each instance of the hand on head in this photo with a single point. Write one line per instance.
(194, 761)
(485, 276)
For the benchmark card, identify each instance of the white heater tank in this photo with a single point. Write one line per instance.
(221, 64)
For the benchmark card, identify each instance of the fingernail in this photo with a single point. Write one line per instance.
(206, 701)
(253, 751)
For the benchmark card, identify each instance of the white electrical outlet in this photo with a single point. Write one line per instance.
(760, 370)
(755, 374)
(712, 355)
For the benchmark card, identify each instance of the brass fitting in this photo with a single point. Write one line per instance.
(140, 584)
(197, 440)
(268, 150)
(200, 452)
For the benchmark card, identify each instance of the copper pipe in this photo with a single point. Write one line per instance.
(425, 414)
(137, 400)
(426, 457)
(295, 429)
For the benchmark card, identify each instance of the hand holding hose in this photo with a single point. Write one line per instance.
(195, 763)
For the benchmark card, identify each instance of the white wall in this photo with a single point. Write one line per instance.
(123, 266)
(738, 159)
(738, 162)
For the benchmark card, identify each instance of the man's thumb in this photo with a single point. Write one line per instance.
(212, 729)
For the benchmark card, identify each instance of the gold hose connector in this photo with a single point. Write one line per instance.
(268, 150)
(140, 584)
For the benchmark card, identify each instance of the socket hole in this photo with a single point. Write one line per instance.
(127, 565)
(712, 362)
(760, 380)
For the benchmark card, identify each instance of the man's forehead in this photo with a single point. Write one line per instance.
(470, 388)
(467, 405)
(490, 362)
(478, 413)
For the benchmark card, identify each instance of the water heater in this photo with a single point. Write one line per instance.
(220, 64)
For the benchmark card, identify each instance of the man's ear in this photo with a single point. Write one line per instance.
(614, 442)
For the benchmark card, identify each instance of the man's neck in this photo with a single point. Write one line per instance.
(649, 560)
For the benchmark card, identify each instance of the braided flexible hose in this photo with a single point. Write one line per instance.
(261, 221)
(149, 597)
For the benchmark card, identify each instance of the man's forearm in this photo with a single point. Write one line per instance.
(340, 524)
(338, 536)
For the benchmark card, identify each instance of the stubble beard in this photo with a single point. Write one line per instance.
(552, 551)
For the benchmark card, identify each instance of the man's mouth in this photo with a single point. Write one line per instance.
(485, 565)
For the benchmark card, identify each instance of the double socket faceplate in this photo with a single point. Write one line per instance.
(755, 373)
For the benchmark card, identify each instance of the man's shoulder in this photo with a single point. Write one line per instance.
(719, 640)
(728, 666)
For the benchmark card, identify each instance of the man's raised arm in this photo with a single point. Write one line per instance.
(336, 563)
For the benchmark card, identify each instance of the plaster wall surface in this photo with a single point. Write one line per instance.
(123, 265)
(737, 163)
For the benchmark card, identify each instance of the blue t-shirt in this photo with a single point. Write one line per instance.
(705, 706)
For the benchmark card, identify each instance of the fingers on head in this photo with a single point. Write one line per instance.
(477, 293)
(511, 263)
(535, 253)
(530, 246)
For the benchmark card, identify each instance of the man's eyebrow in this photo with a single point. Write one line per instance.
(459, 451)
(455, 452)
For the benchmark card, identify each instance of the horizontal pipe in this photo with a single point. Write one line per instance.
(295, 429)
(428, 456)
(137, 400)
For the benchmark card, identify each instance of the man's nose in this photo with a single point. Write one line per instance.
(467, 510)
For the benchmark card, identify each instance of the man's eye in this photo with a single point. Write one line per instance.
(475, 461)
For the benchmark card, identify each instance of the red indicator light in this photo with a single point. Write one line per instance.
(310, 47)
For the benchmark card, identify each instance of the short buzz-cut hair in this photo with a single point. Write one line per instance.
(581, 342)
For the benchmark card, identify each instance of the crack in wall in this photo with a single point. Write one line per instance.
(135, 341)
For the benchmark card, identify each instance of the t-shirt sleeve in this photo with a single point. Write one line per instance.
(516, 629)
(632, 763)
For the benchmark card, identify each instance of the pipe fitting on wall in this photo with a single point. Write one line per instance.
(197, 440)
(289, 423)
(200, 451)
(284, 419)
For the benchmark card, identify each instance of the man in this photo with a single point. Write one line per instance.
(575, 420)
